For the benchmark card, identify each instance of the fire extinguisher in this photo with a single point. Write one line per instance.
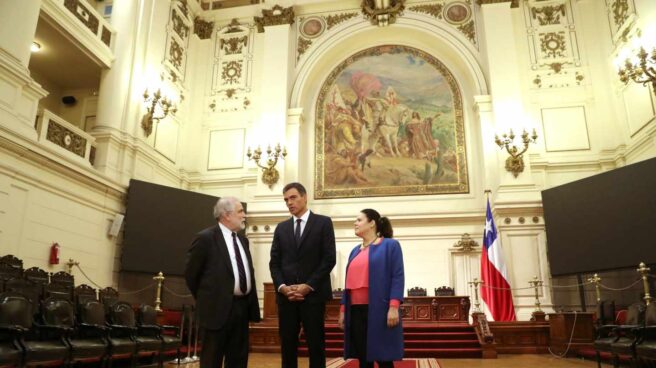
(54, 254)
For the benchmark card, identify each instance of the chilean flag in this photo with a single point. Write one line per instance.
(494, 275)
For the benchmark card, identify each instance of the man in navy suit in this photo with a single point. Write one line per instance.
(220, 275)
(302, 256)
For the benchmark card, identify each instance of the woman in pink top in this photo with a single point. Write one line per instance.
(373, 293)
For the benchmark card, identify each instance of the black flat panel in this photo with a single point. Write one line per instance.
(604, 222)
(160, 224)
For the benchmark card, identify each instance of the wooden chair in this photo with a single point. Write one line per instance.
(417, 291)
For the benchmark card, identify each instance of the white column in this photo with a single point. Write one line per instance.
(500, 45)
(19, 93)
(293, 143)
(18, 19)
(483, 107)
(274, 97)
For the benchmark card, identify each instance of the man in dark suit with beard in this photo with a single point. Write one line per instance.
(220, 276)
(302, 256)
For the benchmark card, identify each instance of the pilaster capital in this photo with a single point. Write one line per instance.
(274, 17)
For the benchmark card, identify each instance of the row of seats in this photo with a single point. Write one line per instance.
(46, 320)
(633, 340)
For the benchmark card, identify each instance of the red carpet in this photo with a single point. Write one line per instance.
(406, 363)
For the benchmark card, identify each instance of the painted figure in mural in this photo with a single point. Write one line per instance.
(369, 314)
(346, 168)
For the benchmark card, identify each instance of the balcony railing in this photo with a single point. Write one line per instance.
(85, 24)
(65, 139)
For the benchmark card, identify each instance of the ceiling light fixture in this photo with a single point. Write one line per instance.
(36, 47)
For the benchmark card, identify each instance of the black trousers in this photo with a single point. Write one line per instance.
(358, 329)
(290, 317)
(229, 342)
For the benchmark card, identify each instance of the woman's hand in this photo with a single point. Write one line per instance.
(392, 317)
(340, 320)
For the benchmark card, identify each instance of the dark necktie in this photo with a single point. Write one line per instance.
(297, 232)
(240, 265)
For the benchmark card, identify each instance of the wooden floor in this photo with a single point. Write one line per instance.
(257, 360)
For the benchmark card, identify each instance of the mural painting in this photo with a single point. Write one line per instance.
(389, 121)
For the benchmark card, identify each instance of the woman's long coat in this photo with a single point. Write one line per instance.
(386, 281)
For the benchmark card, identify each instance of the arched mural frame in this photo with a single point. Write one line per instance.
(337, 170)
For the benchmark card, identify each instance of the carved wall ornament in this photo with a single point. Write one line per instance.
(230, 92)
(233, 45)
(274, 17)
(175, 54)
(466, 243)
(552, 44)
(620, 12)
(182, 5)
(303, 45)
(66, 139)
(106, 36)
(234, 26)
(179, 26)
(203, 29)
(458, 14)
(434, 10)
(333, 20)
(382, 16)
(231, 72)
(468, 30)
(548, 15)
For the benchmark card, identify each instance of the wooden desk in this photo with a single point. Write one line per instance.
(454, 309)
(561, 325)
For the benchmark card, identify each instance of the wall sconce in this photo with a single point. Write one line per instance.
(382, 12)
(158, 107)
(515, 163)
(640, 70)
(270, 175)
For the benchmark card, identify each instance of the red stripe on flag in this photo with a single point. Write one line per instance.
(499, 302)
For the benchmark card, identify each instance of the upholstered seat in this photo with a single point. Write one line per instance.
(89, 343)
(608, 335)
(14, 314)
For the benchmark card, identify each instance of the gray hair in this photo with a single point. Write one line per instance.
(224, 205)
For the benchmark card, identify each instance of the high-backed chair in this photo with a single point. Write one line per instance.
(646, 346)
(84, 293)
(170, 335)
(608, 334)
(42, 344)
(123, 331)
(15, 263)
(28, 289)
(91, 339)
(605, 312)
(417, 291)
(444, 291)
(108, 297)
(625, 343)
(61, 285)
(38, 276)
(14, 315)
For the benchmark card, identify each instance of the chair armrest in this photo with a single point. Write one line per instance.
(13, 329)
(149, 328)
(606, 330)
(647, 333)
(63, 329)
(121, 327)
(92, 326)
(169, 327)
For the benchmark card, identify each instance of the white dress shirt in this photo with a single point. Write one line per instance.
(227, 236)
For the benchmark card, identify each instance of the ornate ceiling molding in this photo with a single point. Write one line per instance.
(203, 29)
(274, 17)
(514, 3)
